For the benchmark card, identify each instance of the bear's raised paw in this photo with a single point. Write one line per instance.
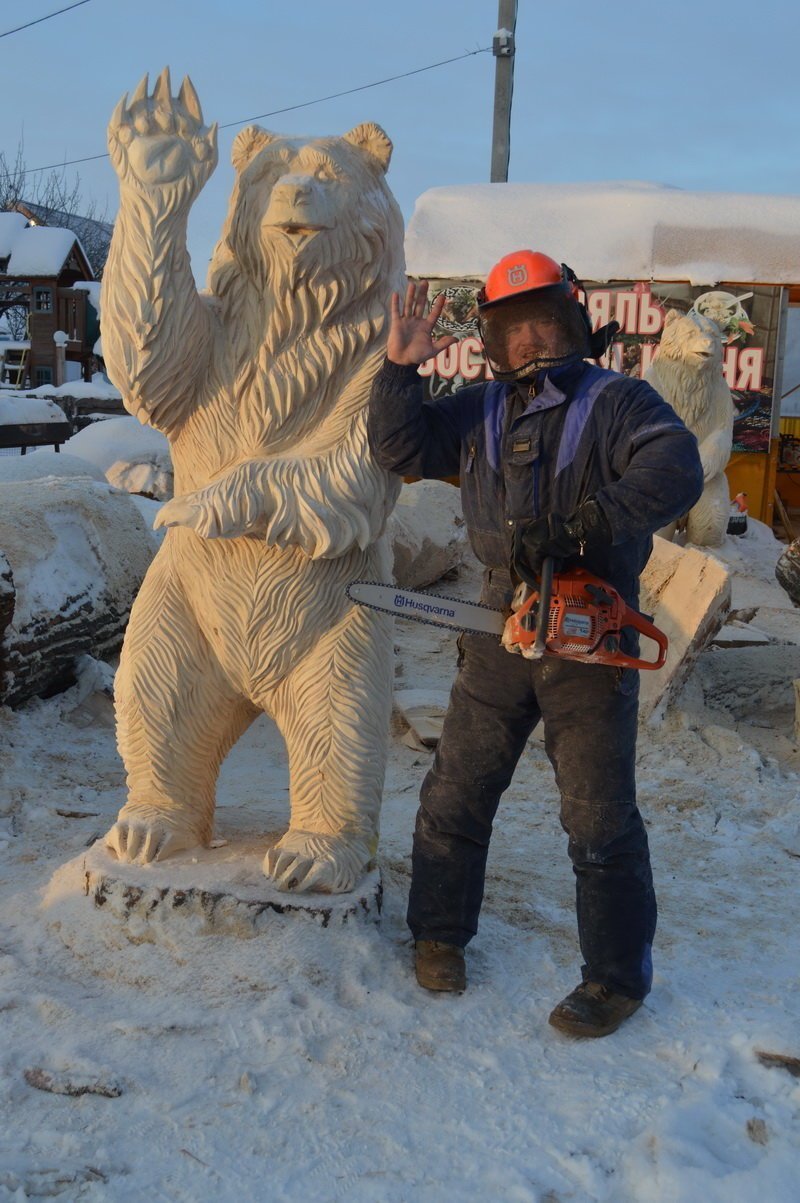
(160, 140)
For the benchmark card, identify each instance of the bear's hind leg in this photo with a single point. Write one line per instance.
(177, 717)
(333, 711)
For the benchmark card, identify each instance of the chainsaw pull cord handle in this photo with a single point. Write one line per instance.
(543, 616)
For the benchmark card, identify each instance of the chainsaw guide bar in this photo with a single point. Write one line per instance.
(435, 610)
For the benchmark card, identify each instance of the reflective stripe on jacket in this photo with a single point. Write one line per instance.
(586, 433)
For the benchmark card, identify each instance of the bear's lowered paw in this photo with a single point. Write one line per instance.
(233, 505)
(307, 860)
(146, 837)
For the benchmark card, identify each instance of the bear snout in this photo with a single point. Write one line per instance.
(297, 200)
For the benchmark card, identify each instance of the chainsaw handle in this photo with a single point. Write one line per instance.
(543, 617)
(645, 627)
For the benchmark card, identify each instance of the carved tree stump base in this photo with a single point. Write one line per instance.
(213, 890)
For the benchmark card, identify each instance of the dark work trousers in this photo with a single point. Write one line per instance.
(590, 714)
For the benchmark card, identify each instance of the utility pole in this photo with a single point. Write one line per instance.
(503, 50)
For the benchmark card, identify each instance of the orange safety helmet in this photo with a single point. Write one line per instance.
(530, 278)
(525, 271)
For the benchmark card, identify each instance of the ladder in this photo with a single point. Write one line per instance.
(15, 366)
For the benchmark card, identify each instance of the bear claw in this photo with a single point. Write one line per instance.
(142, 843)
(308, 861)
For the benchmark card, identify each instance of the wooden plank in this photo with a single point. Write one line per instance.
(786, 522)
(35, 434)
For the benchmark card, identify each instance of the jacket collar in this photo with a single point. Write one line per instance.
(552, 387)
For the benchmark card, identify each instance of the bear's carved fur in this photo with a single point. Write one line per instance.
(261, 386)
(687, 372)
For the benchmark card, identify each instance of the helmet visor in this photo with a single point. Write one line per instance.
(541, 329)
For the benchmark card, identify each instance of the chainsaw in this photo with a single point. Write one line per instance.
(572, 615)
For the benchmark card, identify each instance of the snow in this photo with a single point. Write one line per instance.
(305, 1063)
(134, 458)
(104, 443)
(93, 288)
(40, 251)
(46, 463)
(99, 388)
(608, 231)
(10, 226)
(17, 409)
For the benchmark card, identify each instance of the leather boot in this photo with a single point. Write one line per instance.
(440, 966)
(592, 1010)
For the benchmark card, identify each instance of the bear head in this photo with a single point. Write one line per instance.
(692, 341)
(310, 253)
(314, 213)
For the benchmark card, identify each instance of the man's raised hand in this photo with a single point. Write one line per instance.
(411, 338)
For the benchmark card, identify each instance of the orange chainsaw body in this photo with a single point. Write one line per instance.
(586, 618)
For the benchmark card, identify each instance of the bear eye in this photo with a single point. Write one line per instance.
(277, 163)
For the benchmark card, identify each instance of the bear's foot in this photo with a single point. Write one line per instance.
(307, 860)
(145, 834)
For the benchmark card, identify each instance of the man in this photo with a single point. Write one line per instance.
(557, 457)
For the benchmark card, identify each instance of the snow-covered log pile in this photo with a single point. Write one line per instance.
(427, 533)
(73, 553)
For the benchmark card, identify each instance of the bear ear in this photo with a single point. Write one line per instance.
(671, 316)
(371, 138)
(247, 143)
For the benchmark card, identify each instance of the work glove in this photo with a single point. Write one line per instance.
(562, 538)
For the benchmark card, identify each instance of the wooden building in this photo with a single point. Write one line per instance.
(39, 267)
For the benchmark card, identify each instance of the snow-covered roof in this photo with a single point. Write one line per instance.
(10, 226)
(93, 234)
(608, 231)
(41, 251)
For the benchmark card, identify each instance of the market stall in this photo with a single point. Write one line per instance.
(641, 249)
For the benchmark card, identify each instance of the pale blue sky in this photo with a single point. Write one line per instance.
(694, 93)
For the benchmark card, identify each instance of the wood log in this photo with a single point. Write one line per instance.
(80, 410)
(688, 593)
(787, 571)
(73, 554)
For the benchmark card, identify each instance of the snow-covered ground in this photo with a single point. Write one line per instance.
(305, 1064)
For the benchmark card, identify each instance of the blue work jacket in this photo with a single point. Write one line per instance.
(583, 432)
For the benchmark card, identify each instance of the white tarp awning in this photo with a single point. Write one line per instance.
(608, 231)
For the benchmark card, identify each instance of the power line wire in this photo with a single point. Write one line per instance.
(361, 88)
(39, 20)
(288, 109)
